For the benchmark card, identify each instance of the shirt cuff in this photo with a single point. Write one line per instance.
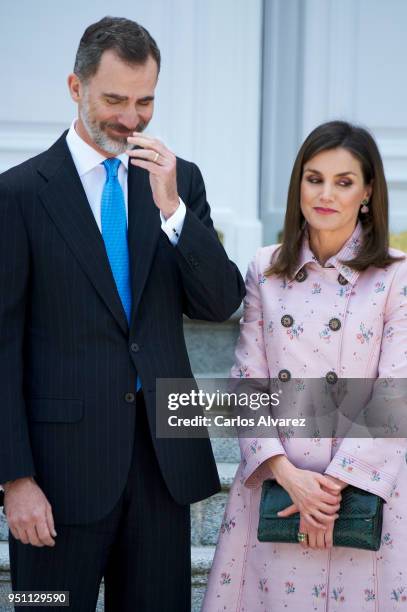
(173, 225)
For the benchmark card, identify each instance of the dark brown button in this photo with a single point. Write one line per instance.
(342, 280)
(129, 398)
(331, 378)
(287, 321)
(301, 275)
(135, 347)
(335, 324)
(284, 375)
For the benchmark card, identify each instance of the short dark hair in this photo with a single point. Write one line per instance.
(361, 144)
(132, 43)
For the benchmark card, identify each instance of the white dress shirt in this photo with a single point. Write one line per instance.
(92, 173)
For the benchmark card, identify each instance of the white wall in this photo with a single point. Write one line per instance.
(228, 90)
(208, 98)
(348, 60)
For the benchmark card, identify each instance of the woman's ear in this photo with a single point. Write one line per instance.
(369, 190)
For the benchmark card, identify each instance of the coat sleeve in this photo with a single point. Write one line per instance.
(15, 452)
(251, 362)
(213, 286)
(372, 464)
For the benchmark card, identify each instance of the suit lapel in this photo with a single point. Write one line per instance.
(143, 233)
(65, 200)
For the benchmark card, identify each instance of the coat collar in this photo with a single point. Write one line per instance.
(65, 200)
(348, 251)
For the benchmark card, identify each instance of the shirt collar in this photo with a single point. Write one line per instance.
(347, 252)
(86, 158)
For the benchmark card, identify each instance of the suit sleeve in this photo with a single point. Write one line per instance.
(15, 452)
(373, 464)
(251, 362)
(213, 286)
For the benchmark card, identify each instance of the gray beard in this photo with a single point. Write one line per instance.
(98, 136)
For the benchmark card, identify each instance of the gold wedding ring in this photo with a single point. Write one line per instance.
(157, 155)
(302, 537)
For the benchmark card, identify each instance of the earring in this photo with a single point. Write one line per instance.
(365, 207)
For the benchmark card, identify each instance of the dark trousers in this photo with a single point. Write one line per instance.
(142, 548)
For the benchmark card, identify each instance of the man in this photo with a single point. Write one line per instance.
(102, 252)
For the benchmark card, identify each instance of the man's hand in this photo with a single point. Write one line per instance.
(28, 512)
(161, 164)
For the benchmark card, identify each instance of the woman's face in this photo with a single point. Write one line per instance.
(332, 190)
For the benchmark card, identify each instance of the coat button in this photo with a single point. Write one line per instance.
(331, 378)
(287, 321)
(334, 324)
(193, 261)
(284, 375)
(301, 275)
(135, 347)
(342, 280)
(129, 398)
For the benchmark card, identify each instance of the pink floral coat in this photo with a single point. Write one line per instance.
(251, 576)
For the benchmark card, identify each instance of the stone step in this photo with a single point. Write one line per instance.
(211, 345)
(201, 559)
(206, 515)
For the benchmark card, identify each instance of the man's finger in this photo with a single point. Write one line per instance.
(148, 155)
(44, 534)
(149, 166)
(15, 532)
(50, 521)
(148, 143)
(33, 536)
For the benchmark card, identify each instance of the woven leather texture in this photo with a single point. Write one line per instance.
(359, 524)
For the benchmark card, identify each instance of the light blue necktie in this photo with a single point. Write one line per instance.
(114, 232)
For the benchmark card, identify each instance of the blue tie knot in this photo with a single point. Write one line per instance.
(112, 166)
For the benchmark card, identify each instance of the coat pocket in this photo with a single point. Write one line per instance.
(47, 410)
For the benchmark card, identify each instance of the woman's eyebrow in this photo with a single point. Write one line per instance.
(339, 173)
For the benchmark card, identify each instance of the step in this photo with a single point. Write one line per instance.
(211, 345)
(206, 515)
(201, 560)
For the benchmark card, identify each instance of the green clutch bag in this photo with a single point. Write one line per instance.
(359, 524)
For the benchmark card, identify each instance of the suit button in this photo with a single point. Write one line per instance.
(301, 275)
(194, 263)
(129, 398)
(331, 378)
(284, 375)
(135, 347)
(342, 280)
(334, 324)
(287, 321)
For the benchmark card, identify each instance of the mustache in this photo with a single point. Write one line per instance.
(117, 127)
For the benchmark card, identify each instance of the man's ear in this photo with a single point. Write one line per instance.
(75, 87)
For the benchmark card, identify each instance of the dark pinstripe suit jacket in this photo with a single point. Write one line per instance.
(68, 358)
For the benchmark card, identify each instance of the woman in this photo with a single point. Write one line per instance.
(331, 302)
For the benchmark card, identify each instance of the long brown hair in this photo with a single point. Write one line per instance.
(375, 239)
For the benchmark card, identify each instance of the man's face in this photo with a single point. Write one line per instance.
(115, 102)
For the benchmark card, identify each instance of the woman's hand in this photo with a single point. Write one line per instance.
(317, 539)
(314, 495)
